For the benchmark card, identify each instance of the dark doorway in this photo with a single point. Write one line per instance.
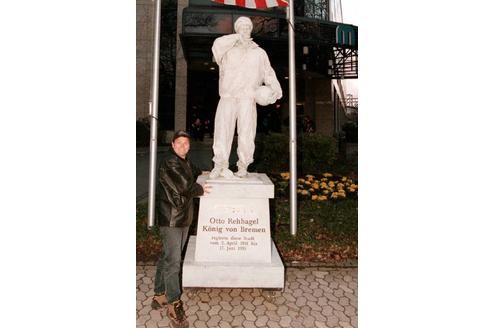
(202, 95)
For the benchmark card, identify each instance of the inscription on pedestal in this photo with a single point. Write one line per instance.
(233, 230)
(233, 226)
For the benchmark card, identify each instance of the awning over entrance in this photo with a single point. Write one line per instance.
(323, 48)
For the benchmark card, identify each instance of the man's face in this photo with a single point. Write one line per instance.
(181, 146)
(244, 30)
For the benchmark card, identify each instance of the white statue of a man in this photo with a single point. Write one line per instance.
(243, 68)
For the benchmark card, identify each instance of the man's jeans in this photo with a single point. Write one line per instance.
(168, 266)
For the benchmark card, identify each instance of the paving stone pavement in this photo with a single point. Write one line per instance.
(312, 297)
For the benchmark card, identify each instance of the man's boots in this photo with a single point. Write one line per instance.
(176, 314)
(159, 301)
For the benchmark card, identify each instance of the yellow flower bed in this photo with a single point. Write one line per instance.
(325, 187)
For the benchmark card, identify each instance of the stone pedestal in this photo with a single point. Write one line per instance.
(233, 247)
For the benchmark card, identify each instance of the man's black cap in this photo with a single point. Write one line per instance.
(181, 133)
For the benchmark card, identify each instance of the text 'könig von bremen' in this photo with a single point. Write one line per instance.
(234, 228)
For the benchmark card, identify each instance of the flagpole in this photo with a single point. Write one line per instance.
(154, 117)
(292, 121)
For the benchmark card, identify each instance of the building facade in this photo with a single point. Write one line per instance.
(326, 52)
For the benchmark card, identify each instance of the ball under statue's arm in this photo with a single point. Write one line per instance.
(270, 79)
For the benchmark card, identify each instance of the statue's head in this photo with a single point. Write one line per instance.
(243, 26)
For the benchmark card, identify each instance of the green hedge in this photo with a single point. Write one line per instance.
(351, 132)
(315, 153)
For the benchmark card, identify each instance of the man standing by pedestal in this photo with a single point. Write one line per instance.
(244, 67)
(176, 190)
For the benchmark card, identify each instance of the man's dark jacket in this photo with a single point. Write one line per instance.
(176, 189)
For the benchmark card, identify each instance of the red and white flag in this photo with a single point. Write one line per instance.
(255, 4)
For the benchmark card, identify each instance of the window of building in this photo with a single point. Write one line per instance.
(316, 9)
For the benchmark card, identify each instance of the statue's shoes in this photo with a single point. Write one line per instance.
(215, 173)
(226, 173)
(241, 173)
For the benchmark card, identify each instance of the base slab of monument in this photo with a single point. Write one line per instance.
(232, 275)
(233, 246)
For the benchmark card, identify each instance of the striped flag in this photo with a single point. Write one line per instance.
(255, 4)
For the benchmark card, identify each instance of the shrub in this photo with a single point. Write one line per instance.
(351, 132)
(315, 153)
(272, 153)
